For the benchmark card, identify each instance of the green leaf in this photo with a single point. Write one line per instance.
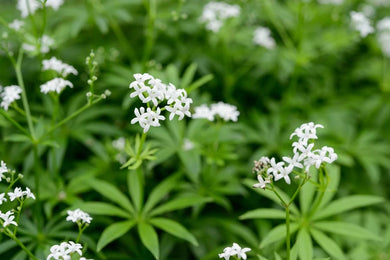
(334, 179)
(135, 183)
(327, 244)
(149, 238)
(160, 191)
(305, 245)
(345, 204)
(200, 82)
(306, 194)
(17, 138)
(278, 233)
(188, 75)
(112, 193)
(264, 214)
(113, 232)
(346, 229)
(103, 208)
(179, 203)
(174, 228)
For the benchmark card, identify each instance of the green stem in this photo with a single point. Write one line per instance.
(18, 71)
(278, 195)
(25, 249)
(76, 113)
(288, 232)
(323, 186)
(297, 191)
(16, 124)
(151, 7)
(141, 144)
(37, 171)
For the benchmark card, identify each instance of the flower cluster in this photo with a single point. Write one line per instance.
(331, 2)
(8, 95)
(215, 13)
(152, 90)
(18, 193)
(27, 7)
(64, 251)
(16, 25)
(383, 27)
(44, 43)
(304, 157)
(234, 250)
(361, 23)
(57, 65)
(262, 37)
(8, 218)
(225, 111)
(78, 216)
(55, 85)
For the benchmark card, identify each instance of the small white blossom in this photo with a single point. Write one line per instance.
(215, 13)
(55, 4)
(2, 199)
(188, 145)
(383, 27)
(18, 193)
(55, 85)
(203, 111)
(3, 169)
(45, 43)
(58, 66)
(8, 218)
(16, 25)
(262, 182)
(78, 216)
(64, 251)
(331, 2)
(225, 111)
(27, 7)
(275, 168)
(361, 23)
(28, 193)
(119, 143)
(9, 95)
(234, 250)
(262, 36)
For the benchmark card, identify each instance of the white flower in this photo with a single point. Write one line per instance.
(28, 193)
(78, 216)
(64, 250)
(119, 143)
(262, 183)
(55, 4)
(8, 218)
(58, 66)
(188, 145)
(203, 111)
(27, 7)
(361, 23)
(9, 95)
(16, 25)
(283, 173)
(83, 258)
(215, 13)
(3, 169)
(2, 199)
(55, 85)
(18, 193)
(306, 132)
(45, 43)
(225, 111)
(234, 250)
(262, 36)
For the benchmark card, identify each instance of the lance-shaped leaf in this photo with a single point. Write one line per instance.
(160, 191)
(345, 204)
(135, 184)
(328, 244)
(174, 228)
(346, 229)
(112, 193)
(113, 232)
(264, 214)
(305, 245)
(103, 208)
(278, 233)
(306, 194)
(149, 238)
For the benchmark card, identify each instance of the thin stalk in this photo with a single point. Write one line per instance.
(25, 249)
(278, 195)
(18, 71)
(37, 171)
(288, 249)
(16, 124)
(151, 8)
(143, 138)
(322, 191)
(297, 191)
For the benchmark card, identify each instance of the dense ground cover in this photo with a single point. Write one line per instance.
(180, 127)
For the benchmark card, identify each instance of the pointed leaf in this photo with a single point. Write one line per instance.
(264, 214)
(160, 191)
(334, 179)
(306, 194)
(188, 75)
(179, 203)
(305, 245)
(135, 183)
(327, 244)
(149, 238)
(174, 228)
(102, 208)
(278, 233)
(345, 204)
(112, 193)
(346, 229)
(113, 232)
